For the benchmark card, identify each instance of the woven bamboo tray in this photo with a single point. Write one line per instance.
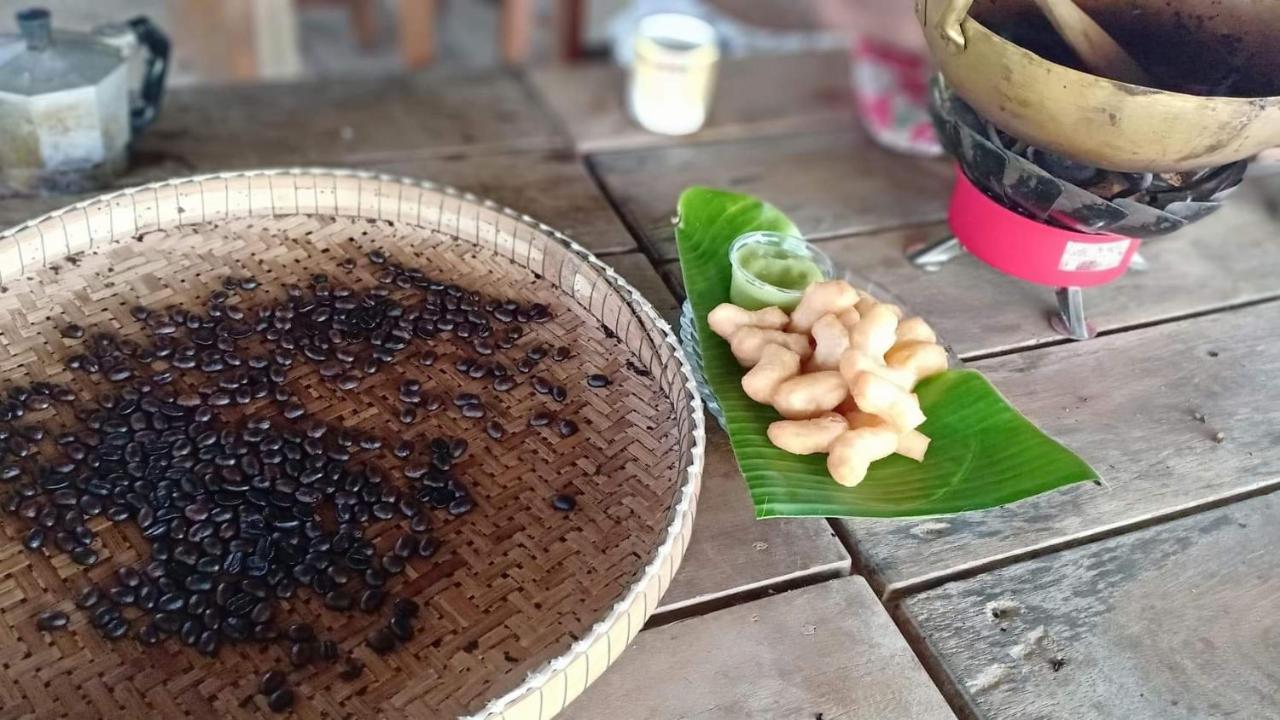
(524, 606)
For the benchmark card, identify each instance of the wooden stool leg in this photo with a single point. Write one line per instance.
(517, 21)
(364, 20)
(572, 17)
(417, 32)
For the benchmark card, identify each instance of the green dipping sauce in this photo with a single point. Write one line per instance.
(769, 274)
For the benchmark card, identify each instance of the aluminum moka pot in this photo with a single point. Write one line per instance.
(67, 112)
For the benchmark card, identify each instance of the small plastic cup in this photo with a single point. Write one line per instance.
(672, 73)
(773, 269)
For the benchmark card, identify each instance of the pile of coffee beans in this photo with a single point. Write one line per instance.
(196, 436)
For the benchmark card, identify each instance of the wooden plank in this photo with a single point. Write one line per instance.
(1128, 403)
(1174, 622)
(829, 183)
(828, 651)
(1225, 260)
(553, 188)
(234, 127)
(753, 96)
(733, 554)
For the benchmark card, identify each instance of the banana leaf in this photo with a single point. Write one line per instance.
(984, 453)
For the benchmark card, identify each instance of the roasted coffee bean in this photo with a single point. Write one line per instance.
(406, 606)
(116, 628)
(372, 599)
(122, 595)
(539, 419)
(207, 644)
(541, 385)
(261, 613)
(338, 600)
(403, 449)
(401, 626)
(301, 653)
(84, 556)
(280, 700)
(427, 547)
(348, 381)
(381, 641)
(300, 632)
(50, 620)
(393, 564)
(597, 380)
(199, 582)
(72, 330)
(461, 505)
(89, 597)
(559, 393)
(473, 411)
(537, 352)
(148, 634)
(408, 414)
(351, 668)
(566, 427)
(271, 681)
(561, 354)
(128, 577)
(34, 539)
(328, 650)
(405, 546)
(427, 358)
(463, 399)
(563, 503)
(167, 623)
(495, 430)
(504, 383)
(171, 602)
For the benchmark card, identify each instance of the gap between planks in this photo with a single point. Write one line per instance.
(894, 592)
(1153, 322)
(707, 604)
(588, 163)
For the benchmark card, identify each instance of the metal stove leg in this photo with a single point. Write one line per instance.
(931, 256)
(1070, 320)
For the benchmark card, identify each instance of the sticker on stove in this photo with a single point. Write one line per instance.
(1093, 257)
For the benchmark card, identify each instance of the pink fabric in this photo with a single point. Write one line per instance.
(891, 87)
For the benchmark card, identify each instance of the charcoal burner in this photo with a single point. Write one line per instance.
(1051, 220)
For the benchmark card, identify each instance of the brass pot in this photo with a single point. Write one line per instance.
(1103, 122)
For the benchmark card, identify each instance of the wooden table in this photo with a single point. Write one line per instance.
(1152, 595)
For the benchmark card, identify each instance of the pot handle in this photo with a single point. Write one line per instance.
(156, 45)
(946, 21)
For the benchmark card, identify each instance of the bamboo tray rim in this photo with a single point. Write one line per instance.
(672, 548)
